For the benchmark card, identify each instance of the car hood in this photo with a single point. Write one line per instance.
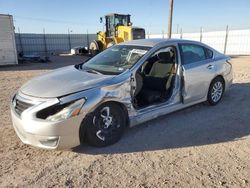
(63, 81)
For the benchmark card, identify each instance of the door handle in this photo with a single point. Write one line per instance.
(210, 66)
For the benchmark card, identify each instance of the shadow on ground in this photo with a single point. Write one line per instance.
(195, 126)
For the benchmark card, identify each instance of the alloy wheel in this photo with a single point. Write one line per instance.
(107, 124)
(217, 91)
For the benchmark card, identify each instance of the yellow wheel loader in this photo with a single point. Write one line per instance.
(118, 29)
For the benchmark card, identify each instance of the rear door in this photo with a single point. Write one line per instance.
(198, 70)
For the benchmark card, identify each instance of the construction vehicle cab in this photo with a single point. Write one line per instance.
(118, 28)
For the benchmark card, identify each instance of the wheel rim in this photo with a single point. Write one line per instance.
(93, 46)
(107, 124)
(217, 91)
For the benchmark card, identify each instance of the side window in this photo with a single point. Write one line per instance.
(191, 53)
(209, 53)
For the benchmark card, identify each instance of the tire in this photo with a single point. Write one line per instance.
(216, 91)
(95, 47)
(102, 129)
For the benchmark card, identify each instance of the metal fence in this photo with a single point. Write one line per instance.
(234, 42)
(50, 43)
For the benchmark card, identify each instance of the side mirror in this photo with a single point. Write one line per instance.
(101, 20)
(130, 24)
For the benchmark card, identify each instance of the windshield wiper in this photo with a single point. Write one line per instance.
(92, 71)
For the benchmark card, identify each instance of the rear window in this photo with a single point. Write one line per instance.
(209, 53)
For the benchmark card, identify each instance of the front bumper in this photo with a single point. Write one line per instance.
(46, 134)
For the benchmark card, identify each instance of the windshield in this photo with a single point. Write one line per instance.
(116, 59)
(121, 20)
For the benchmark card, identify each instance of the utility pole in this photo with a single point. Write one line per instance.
(45, 46)
(226, 37)
(69, 40)
(88, 40)
(201, 31)
(20, 42)
(171, 2)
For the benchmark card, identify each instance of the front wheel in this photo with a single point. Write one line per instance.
(105, 125)
(95, 47)
(215, 91)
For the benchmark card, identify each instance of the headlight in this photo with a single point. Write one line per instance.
(71, 110)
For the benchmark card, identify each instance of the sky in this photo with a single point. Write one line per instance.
(78, 16)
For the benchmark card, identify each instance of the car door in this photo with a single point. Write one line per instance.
(198, 69)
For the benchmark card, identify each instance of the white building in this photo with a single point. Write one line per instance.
(8, 54)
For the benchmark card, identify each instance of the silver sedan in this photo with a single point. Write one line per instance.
(123, 86)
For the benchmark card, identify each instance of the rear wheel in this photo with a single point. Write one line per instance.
(105, 125)
(215, 91)
(95, 47)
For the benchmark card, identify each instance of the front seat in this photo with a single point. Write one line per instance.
(162, 67)
(157, 81)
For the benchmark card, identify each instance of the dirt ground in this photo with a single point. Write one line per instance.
(201, 146)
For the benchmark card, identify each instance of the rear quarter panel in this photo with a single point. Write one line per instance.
(224, 68)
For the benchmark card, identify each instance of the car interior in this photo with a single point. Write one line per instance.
(155, 78)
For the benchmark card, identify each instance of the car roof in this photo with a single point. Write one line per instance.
(155, 41)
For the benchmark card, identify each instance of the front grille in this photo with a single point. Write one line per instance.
(138, 33)
(20, 106)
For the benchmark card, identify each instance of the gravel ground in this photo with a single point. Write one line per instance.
(200, 146)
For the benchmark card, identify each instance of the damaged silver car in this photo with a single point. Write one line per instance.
(123, 86)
